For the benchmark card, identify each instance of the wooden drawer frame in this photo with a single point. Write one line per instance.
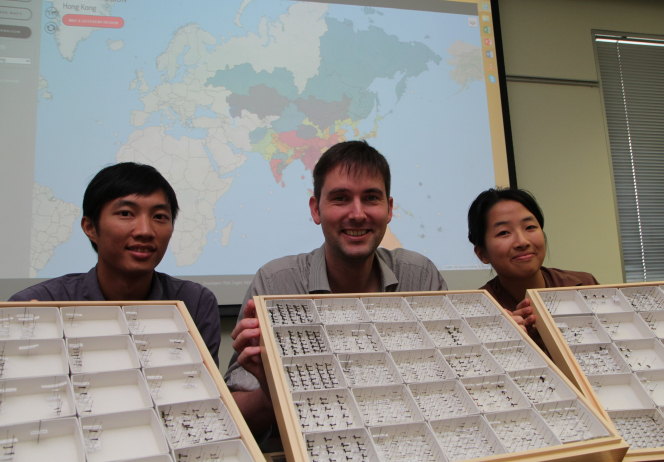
(565, 360)
(610, 448)
(226, 396)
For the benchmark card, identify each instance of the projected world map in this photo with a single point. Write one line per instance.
(234, 103)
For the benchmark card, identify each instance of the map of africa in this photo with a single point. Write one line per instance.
(234, 102)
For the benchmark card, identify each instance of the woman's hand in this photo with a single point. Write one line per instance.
(524, 317)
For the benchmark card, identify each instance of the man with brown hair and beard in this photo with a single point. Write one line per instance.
(352, 204)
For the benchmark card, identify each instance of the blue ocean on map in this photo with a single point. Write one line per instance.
(433, 130)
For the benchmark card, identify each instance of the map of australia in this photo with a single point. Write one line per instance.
(266, 90)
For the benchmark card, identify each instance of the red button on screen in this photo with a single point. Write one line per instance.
(84, 20)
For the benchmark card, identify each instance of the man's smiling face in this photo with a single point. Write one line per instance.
(132, 234)
(353, 211)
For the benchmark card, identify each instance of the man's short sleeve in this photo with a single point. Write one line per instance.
(208, 323)
(236, 378)
(436, 281)
(286, 275)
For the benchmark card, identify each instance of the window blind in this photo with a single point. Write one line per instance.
(632, 81)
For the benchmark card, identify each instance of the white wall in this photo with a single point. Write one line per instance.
(560, 143)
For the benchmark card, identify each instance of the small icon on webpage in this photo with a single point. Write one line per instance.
(52, 13)
(472, 21)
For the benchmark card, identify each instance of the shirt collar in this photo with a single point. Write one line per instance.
(92, 290)
(319, 283)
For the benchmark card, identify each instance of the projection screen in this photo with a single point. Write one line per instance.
(234, 102)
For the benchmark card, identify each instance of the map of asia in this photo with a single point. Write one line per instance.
(235, 101)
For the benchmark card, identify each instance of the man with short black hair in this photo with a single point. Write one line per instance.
(128, 214)
(352, 204)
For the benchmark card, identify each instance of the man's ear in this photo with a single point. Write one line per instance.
(481, 254)
(390, 206)
(89, 229)
(315, 212)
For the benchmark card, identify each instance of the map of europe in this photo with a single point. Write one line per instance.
(234, 102)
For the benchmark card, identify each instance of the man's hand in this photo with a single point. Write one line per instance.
(256, 406)
(524, 317)
(246, 341)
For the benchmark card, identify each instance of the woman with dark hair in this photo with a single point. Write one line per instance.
(506, 226)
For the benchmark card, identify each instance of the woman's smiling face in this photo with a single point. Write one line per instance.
(514, 242)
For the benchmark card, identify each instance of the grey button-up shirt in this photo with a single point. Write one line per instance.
(400, 271)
